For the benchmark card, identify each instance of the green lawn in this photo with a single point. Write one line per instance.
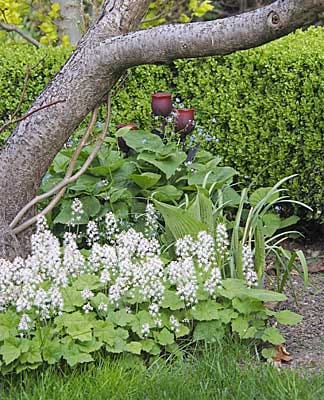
(227, 371)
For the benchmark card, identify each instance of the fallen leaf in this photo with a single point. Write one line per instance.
(282, 354)
(316, 267)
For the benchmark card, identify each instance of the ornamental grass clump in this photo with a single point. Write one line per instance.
(125, 293)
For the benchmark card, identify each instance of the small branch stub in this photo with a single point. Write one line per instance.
(274, 20)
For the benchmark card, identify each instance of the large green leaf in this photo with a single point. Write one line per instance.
(145, 180)
(179, 221)
(167, 193)
(202, 210)
(218, 175)
(209, 331)
(140, 141)
(206, 310)
(287, 317)
(10, 350)
(91, 205)
(168, 165)
(259, 195)
(85, 184)
(271, 223)
(273, 336)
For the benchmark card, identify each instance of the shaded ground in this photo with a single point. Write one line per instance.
(305, 342)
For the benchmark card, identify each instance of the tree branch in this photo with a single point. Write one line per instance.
(166, 43)
(25, 35)
(68, 179)
(5, 126)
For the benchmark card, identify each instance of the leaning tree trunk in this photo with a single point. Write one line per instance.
(102, 55)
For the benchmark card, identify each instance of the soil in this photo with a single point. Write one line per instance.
(305, 341)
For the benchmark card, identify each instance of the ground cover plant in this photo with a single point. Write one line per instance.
(152, 283)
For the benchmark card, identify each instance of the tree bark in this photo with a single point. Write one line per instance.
(102, 55)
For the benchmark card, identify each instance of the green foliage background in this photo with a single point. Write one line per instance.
(267, 102)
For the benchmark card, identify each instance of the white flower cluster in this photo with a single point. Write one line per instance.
(92, 233)
(222, 241)
(138, 270)
(111, 226)
(197, 265)
(151, 221)
(248, 266)
(21, 281)
(77, 211)
(174, 324)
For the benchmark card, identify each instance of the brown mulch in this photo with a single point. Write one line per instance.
(305, 341)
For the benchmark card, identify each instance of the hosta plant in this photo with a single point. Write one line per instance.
(125, 293)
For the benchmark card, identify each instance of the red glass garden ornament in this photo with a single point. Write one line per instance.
(184, 120)
(161, 104)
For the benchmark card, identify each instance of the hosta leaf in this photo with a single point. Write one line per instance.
(91, 205)
(209, 331)
(168, 165)
(287, 317)
(145, 180)
(202, 210)
(206, 310)
(259, 195)
(218, 175)
(273, 336)
(178, 221)
(167, 193)
(271, 223)
(140, 141)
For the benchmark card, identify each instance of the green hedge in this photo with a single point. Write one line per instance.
(267, 102)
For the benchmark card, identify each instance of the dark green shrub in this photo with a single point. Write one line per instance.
(267, 103)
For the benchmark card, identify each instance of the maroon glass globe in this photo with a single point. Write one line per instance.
(161, 104)
(184, 120)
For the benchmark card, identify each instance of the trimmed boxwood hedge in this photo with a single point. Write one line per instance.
(264, 105)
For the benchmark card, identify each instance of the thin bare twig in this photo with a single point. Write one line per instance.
(22, 96)
(66, 181)
(25, 35)
(5, 126)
